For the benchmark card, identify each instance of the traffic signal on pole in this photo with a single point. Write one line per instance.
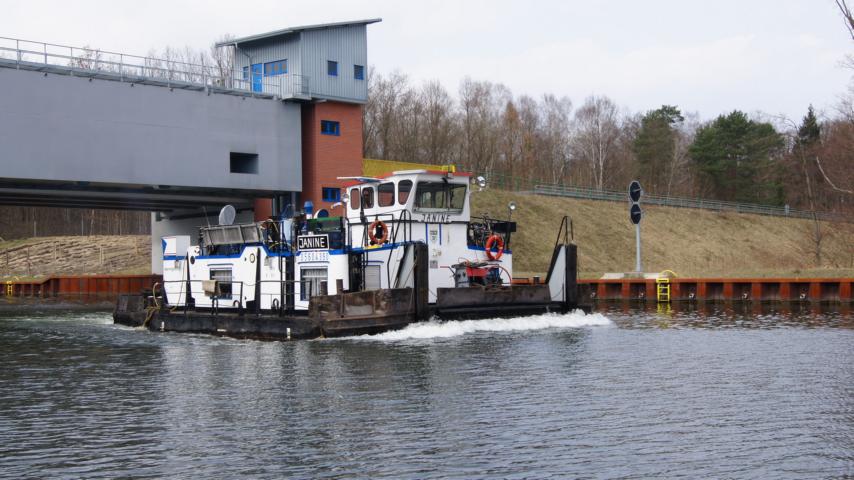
(635, 212)
(635, 191)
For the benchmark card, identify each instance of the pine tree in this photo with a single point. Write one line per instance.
(654, 146)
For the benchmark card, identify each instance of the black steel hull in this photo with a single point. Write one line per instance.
(334, 316)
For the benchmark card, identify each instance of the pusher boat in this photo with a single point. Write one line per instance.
(405, 248)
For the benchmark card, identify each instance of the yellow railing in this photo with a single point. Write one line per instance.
(373, 168)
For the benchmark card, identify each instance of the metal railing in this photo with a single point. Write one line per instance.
(287, 85)
(81, 61)
(665, 201)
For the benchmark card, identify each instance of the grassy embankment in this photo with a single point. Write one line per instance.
(696, 243)
(691, 242)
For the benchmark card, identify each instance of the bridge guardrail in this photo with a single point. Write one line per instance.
(134, 68)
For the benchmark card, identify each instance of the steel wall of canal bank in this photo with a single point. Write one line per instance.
(727, 289)
(831, 290)
(102, 286)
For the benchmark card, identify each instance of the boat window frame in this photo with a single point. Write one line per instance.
(390, 197)
(366, 204)
(447, 188)
(355, 198)
(311, 279)
(402, 201)
(226, 288)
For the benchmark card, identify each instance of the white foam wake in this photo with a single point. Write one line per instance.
(436, 329)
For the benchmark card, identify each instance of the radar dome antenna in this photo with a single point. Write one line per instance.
(227, 214)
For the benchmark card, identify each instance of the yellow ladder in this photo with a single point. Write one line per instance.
(10, 289)
(662, 284)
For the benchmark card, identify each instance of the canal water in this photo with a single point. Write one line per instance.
(620, 393)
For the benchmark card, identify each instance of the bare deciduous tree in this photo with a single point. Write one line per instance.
(597, 132)
(438, 107)
(847, 15)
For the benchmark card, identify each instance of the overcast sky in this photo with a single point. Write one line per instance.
(773, 56)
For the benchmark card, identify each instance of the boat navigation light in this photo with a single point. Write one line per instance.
(345, 198)
(511, 206)
(481, 182)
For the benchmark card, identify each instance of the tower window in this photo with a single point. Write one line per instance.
(359, 72)
(331, 194)
(278, 67)
(328, 127)
(332, 68)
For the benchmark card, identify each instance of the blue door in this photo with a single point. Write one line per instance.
(257, 76)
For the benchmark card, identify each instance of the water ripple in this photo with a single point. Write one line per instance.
(617, 394)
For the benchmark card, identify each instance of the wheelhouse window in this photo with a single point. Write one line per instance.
(332, 68)
(403, 189)
(355, 199)
(385, 194)
(439, 196)
(359, 72)
(368, 197)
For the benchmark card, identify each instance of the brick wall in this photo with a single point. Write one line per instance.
(325, 157)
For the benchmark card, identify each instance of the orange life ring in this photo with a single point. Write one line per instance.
(489, 242)
(372, 232)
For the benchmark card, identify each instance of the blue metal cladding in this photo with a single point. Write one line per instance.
(346, 45)
(307, 53)
(281, 49)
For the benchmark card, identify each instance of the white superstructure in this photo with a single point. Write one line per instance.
(364, 245)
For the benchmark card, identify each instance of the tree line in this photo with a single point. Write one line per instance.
(520, 141)
(23, 222)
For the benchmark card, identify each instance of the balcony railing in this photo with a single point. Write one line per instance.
(80, 61)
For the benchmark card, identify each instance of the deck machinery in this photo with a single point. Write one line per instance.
(402, 248)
